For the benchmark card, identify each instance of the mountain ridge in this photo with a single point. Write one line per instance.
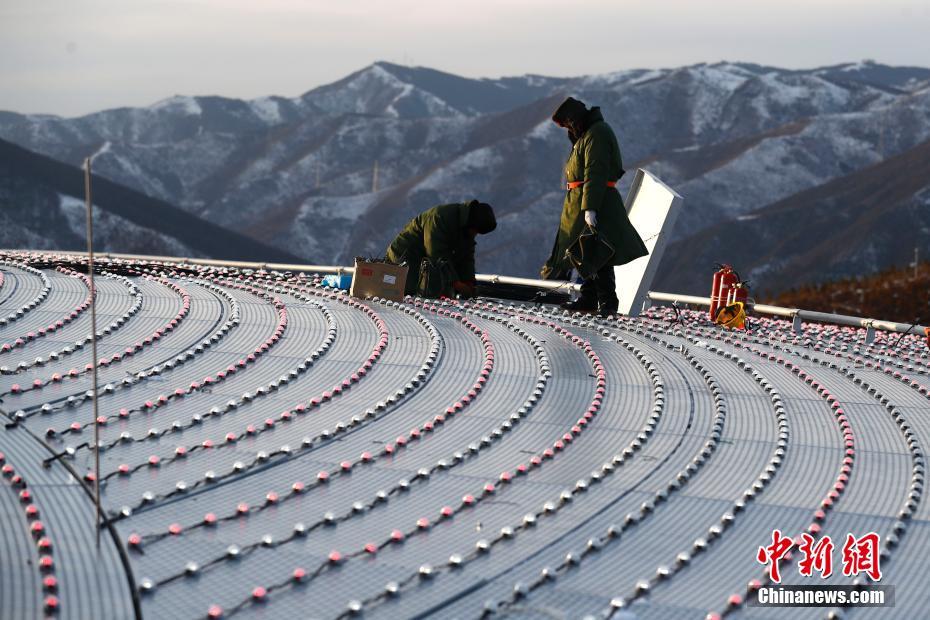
(124, 206)
(895, 201)
(299, 173)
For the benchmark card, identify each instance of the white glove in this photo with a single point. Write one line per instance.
(590, 218)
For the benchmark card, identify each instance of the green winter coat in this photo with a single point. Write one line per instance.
(439, 233)
(595, 158)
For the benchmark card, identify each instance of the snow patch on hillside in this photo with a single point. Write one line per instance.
(608, 79)
(338, 216)
(178, 103)
(405, 91)
(545, 130)
(473, 165)
(761, 175)
(535, 81)
(113, 233)
(856, 66)
(101, 151)
(150, 184)
(349, 207)
(433, 104)
(375, 90)
(711, 89)
(267, 109)
(14, 235)
(923, 196)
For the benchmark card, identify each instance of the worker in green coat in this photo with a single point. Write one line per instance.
(439, 248)
(592, 202)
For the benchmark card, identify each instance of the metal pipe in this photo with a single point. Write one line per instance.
(329, 269)
(777, 310)
(679, 299)
(209, 262)
(93, 343)
(551, 285)
(808, 315)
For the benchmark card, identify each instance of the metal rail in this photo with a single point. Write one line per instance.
(798, 314)
(795, 314)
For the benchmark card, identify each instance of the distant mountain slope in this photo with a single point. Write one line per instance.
(41, 203)
(332, 173)
(814, 235)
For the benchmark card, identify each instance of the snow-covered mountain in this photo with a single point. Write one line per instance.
(876, 216)
(42, 208)
(331, 174)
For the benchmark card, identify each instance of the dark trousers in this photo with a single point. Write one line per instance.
(603, 288)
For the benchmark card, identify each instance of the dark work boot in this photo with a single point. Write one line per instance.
(582, 304)
(587, 298)
(607, 309)
(605, 286)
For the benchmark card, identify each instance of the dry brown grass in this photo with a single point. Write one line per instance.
(892, 295)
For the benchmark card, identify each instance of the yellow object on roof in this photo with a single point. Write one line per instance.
(732, 316)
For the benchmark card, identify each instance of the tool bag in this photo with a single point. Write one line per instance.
(436, 278)
(589, 253)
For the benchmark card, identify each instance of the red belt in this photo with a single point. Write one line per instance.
(576, 184)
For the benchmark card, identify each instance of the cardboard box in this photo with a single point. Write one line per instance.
(375, 279)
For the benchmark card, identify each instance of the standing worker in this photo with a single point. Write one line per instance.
(439, 248)
(592, 202)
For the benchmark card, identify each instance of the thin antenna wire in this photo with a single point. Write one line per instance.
(93, 327)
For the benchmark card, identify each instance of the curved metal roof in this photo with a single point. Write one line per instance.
(273, 448)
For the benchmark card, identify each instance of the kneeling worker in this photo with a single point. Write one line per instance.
(439, 247)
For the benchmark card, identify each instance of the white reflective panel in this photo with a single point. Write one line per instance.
(653, 208)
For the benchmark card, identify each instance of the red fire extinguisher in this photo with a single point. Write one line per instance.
(724, 279)
(738, 292)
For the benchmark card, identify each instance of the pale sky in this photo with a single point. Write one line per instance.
(71, 57)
